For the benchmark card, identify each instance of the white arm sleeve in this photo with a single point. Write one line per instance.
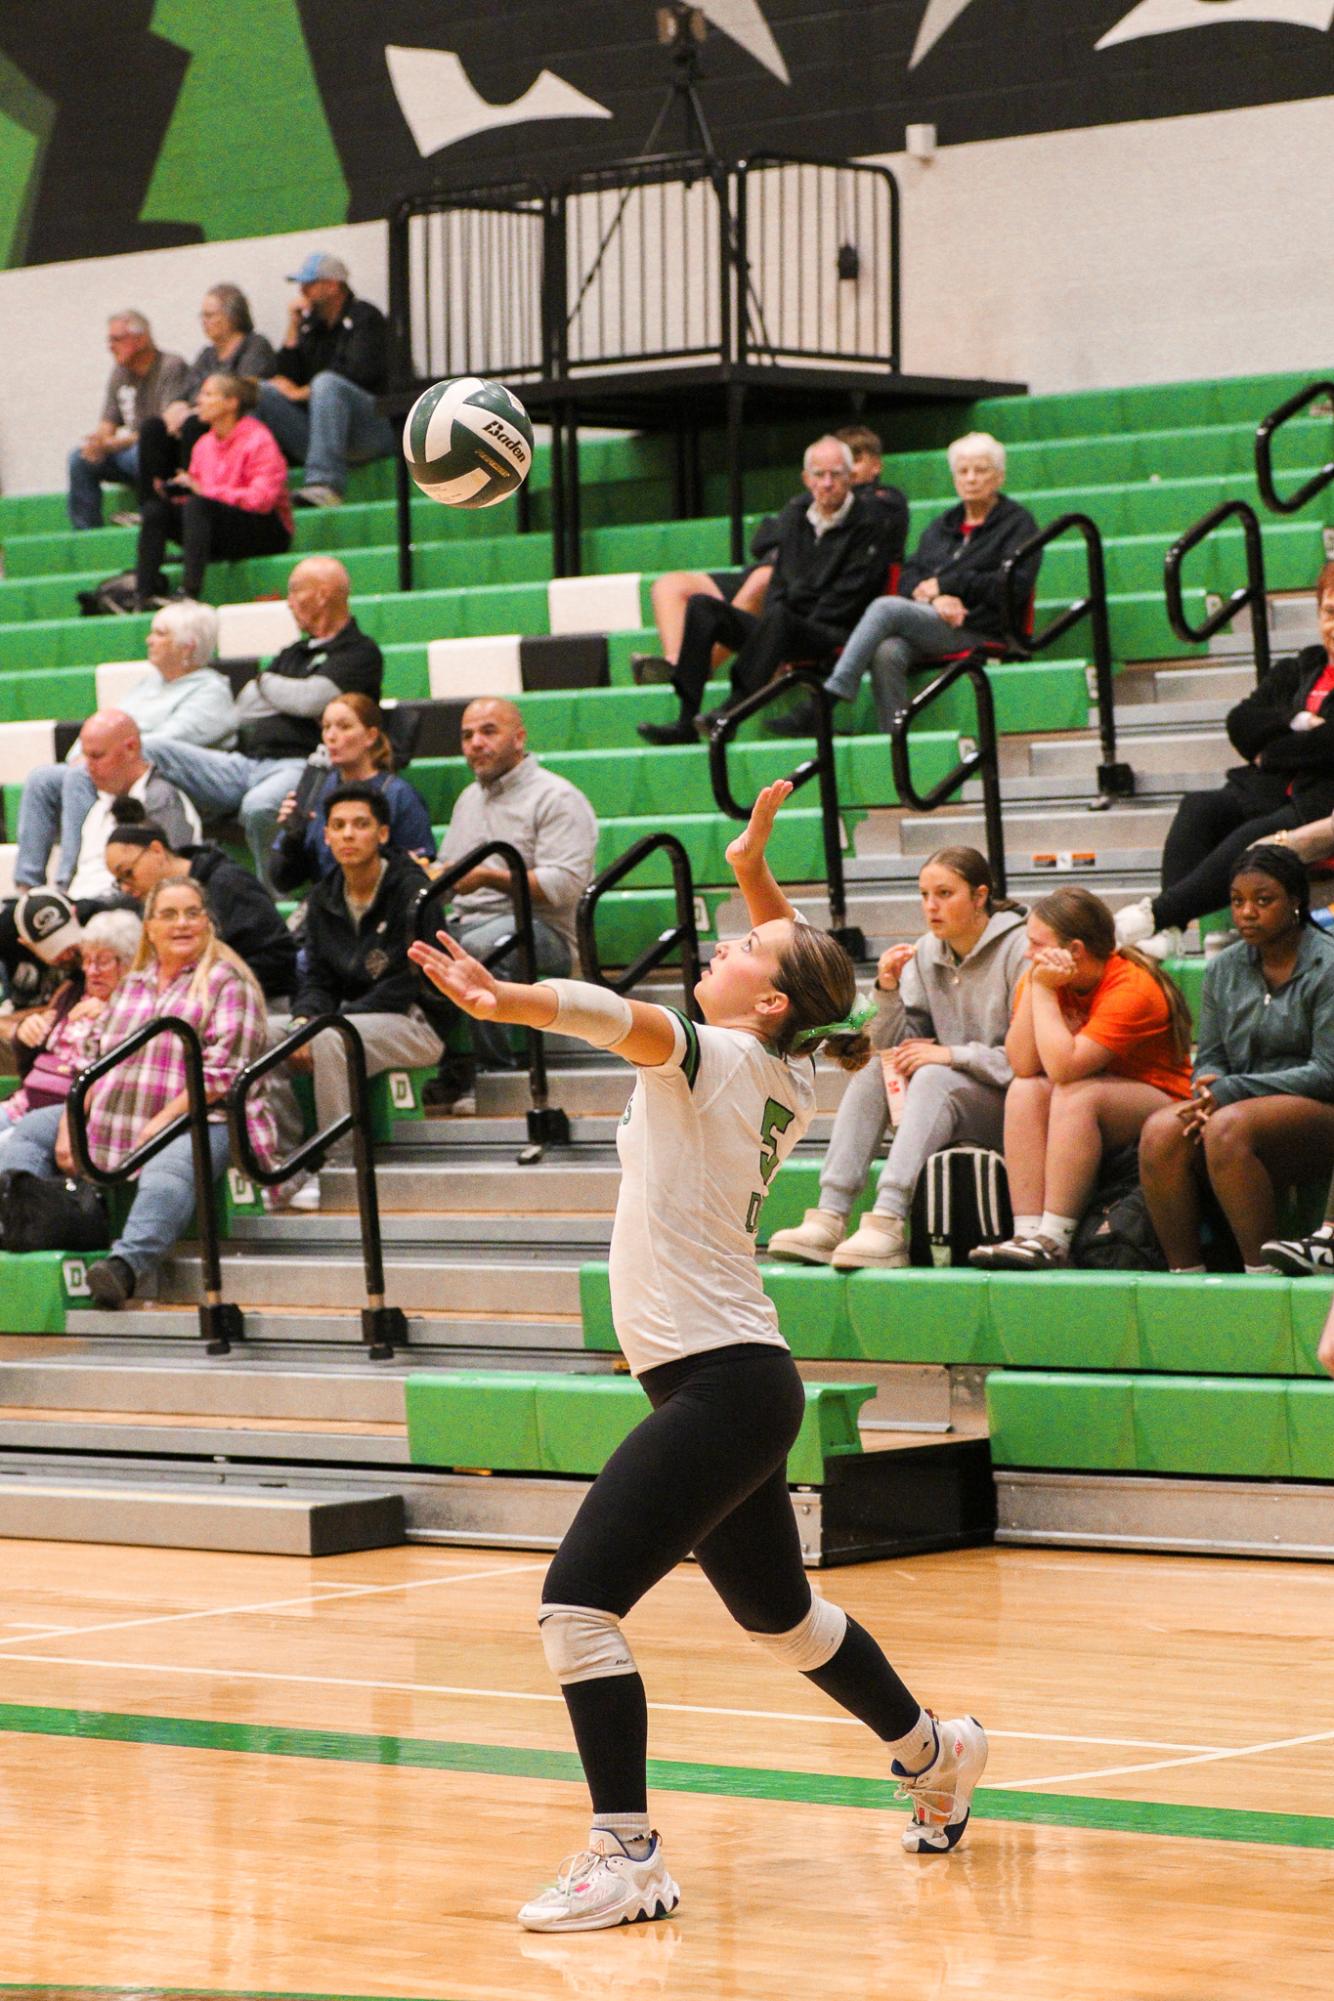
(592, 1013)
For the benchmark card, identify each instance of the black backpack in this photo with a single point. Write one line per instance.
(962, 1199)
(1115, 1233)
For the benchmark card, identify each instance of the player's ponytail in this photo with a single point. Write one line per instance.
(820, 982)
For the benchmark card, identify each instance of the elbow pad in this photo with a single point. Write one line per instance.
(594, 1014)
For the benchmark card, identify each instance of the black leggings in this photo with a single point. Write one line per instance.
(204, 528)
(1208, 832)
(706, 1471)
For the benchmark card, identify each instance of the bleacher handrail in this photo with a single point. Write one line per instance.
(1265, 434)
(684, 933)
(1115, 779)
(982, 761)
(1252, 593)
(821, 767)
(219, 1322)
(547, 1123)
(383, 1327)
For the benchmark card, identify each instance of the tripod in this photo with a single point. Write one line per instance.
(683, 90)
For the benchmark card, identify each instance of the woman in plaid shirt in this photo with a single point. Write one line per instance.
(182, 968)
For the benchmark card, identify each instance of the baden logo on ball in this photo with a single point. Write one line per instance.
(468, 442)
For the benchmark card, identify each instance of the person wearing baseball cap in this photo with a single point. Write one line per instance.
(39, 949)
(48, 925)
(320, 401)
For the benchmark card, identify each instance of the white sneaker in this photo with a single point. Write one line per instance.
(1134, 922)
(1218, 941)
(307, 1195)
(879, 1243)
(602, 1886)
(812, 1242)
(1164, 944)
(942, 1795)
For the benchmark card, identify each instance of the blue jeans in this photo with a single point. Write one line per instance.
(477, 935)
(164, 1197)
(339, 424)
(898, 635)
(227, 781)
(86, 479)
(56, 801)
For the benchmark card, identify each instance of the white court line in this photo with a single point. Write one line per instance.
(36, 1631)
(328, 1594)
(802, 1717)
(1164, 1764)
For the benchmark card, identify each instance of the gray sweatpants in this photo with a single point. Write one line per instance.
(942, 1107)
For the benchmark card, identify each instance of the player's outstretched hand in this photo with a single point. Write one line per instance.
(748, 848)
(459, 976)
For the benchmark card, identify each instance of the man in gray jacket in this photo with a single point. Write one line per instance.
(943, 1007)
(142, 383)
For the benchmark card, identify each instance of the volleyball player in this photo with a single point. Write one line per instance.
(715, 1111)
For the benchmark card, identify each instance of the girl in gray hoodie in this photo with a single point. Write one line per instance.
(943, 1007)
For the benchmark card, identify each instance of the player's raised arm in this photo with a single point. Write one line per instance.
(764, 899)
(638, 1031)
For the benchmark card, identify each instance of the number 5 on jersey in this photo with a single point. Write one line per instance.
(775, 1121)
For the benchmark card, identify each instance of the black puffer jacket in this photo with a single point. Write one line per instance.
(364, 968)
(968, 567)
(1260, 727)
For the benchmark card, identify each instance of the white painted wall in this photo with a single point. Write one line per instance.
(1144, 252)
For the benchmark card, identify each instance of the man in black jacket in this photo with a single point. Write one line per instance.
(832, 557)
(139, 854)
(359, 924)
(320, 402)
(949, 595)
(1285, 731)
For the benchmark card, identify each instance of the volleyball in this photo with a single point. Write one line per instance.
(468, 442)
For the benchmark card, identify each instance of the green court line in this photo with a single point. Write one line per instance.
(1117, 1816)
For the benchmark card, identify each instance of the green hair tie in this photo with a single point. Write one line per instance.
(852, 1024)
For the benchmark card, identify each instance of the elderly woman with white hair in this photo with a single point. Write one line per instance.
(180, 695)
(949, 596)
(53, 1041)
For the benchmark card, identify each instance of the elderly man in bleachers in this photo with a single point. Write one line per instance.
(278, 712)
(512, 798)
(179, 696)
(143, 381)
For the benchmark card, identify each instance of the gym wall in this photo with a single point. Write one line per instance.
(1123, 190)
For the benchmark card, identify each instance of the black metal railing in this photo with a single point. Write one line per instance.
(845, 217)
(219, 1323)
(821, 768)
(1264, 452)
(682, 936)
(547, 1123)
(981, 762)
(383, 1327)
(1251, 594)
(1116, 780)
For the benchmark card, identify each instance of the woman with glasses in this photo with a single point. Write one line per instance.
(181, 968)
(52, 1041)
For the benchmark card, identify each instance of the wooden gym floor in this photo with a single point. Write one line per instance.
(241, 1776)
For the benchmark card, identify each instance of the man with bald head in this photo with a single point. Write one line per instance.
(113, 758)
(278, 712)
(512, 798)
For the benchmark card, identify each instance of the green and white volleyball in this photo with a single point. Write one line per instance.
(468, 442)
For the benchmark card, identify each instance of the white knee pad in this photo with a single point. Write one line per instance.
(594, 1014)
(814, 1642)
(583, 1644)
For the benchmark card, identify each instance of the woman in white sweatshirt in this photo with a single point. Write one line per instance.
(943, 1007)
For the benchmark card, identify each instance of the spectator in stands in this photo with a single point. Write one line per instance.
(139, 856)
(278, 712)
(52, 1041)
(182, 968)
(39, 946)
(832, 557)
(943, 1010)
(360, 920)
(747, 590)
(232, 347)
(1285, 731)
(949, 593)
(1100, 1040)
(1261, 1112)
(231, 503)
(115, 765)
(355, 750)
(181, 696)
(143, 381)
(320, 401)
(512, 798)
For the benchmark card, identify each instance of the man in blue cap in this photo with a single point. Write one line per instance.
(320, 401)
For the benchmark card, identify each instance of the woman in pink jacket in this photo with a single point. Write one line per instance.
(232, 502)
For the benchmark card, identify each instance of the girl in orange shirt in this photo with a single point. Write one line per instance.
(1099, 1040)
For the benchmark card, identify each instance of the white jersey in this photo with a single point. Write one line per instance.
(701, 1140)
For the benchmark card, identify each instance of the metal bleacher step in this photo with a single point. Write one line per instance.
(511, 1280)
(306, 1329)
(1134, 824)
(472, 1228)
(276, 1518)
(1166, 753)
